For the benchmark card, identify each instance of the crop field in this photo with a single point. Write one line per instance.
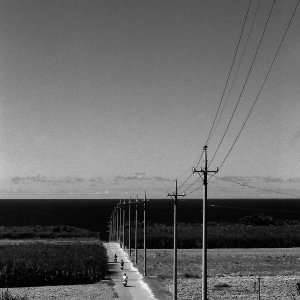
(44, 263)
(232, 273)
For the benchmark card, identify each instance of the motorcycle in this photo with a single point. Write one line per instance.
(125, 282)
(122, 265)
(115, 260)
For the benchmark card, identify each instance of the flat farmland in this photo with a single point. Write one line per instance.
(232, 273)
(44, 269)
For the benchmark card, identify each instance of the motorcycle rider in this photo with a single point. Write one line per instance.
(125, 279)
(115, 257)
(122, 264)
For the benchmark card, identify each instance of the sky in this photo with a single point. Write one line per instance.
(109, 98)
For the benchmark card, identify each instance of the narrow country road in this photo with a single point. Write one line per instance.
(136, 289)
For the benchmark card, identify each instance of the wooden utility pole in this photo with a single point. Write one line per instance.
(109, 229)
(175, 198)
(120, 221)
(129, 228)
(204, 224)
(136, 230)
(115, 224)
(259, 287)
(117, 217)
(145, 248)
(124, 210)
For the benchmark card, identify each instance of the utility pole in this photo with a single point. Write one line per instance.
(145, 249)
(120, 226)
(136, 229)
(109, 233)
(259, 287)
(114, 224)
(175, 198)
(204, 224)
(129, 228)
(117, 222)
(124, 210)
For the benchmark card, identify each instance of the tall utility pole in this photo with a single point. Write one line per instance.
(129, 228)
(117, 222)
(136, 229)
(175, 197)
(120, 227)
(124, 210)
(114, 224)
(145, 249)
(204, 223)
(109, 230)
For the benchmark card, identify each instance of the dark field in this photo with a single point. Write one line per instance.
(94, 214)
(41, 263)
(44, 232)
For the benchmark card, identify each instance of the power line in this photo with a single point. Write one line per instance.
(250, 209)
(266, 77)
(246, 80)
(229, 74)
(223, 93)
(191, 185)
(239, 63)
(255, 187)
(222, 96)
(226, 84)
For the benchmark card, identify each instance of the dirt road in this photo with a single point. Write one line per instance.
(136, 289)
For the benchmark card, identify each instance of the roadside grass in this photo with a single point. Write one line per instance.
(38, 263)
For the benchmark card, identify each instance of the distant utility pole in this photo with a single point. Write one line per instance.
(136, 229)
(204, 224)
(120, 222)
(109, 230)
(175, 197)
(129, 228)
(114, 224)
(117, 222)
(124, 210)
(145, 251)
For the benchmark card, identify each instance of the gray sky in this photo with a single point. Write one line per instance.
(109, 98)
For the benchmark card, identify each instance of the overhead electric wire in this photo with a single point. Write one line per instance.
(239, 63)
(246, 80)
(255, 187)
(198, 188)
(229, 73)
(262, 85)
(191, 185)
(194, 190)
(223, 93)
(250, 208)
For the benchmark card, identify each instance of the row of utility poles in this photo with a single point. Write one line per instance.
(115, 227)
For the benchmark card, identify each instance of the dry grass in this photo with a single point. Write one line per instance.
(232, 273)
